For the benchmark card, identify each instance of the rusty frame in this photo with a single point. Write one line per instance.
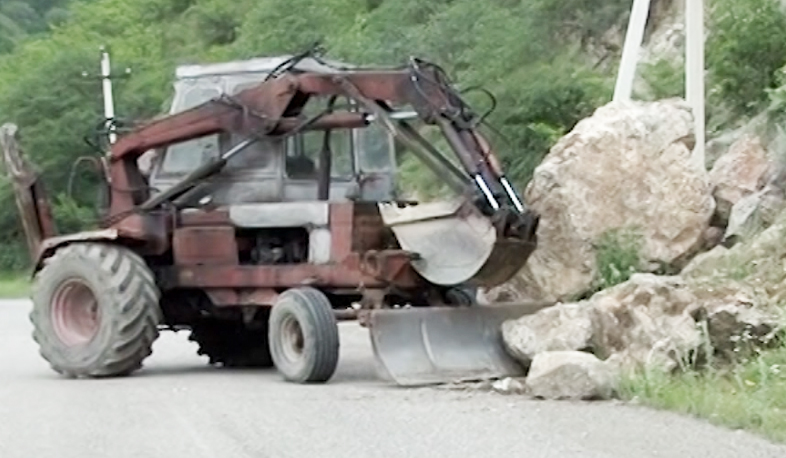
(275, 107)
(205, 255)
(204, 244)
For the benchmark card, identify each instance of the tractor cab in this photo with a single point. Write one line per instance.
(363, 161)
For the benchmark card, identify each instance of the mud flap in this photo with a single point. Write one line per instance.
(435, 345)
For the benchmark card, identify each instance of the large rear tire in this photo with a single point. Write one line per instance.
(304, 341)
(95, 310)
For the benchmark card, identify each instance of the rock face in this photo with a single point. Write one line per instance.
(570, 375)
(628, 166)
(755, 212)
(649, 321)
(740, 172)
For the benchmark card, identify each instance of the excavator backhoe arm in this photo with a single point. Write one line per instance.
(481, 239)
(494, 222)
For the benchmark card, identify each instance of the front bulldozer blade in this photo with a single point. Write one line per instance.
(435, 345)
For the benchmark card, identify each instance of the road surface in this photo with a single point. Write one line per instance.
(178, 407)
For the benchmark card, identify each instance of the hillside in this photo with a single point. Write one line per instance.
(21, 19)
(549, 64)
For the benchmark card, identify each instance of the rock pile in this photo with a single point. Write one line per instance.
(651, 321)
(629, 166)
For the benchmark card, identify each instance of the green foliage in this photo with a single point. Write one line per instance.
(14, 286)
(586, 20)
(745, 49)
(749, 396)
(14, 256)
(70, 216)
(617, 255)
(528, 54)
(665, 79)
(20, 19)
(22, 14)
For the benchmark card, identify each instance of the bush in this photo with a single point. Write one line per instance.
(617, 255)
(745, 49)
(664, 79)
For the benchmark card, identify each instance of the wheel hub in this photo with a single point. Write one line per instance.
(75, 313)
(292, 339)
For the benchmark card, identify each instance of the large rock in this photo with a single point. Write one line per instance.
(628, 166)
(563, 327)
(570, 375)
(740, 172)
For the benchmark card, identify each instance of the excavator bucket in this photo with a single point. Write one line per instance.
(455, 243)
(435, 345)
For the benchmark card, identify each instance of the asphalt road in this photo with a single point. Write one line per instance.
(177, 407)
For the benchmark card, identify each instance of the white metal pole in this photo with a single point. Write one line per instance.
(694, 73)
(109, 102)
(631, 50)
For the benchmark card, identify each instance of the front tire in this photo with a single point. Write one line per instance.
(304, 340)
(95, 310)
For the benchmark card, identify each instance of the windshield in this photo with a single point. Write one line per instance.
(375, 149)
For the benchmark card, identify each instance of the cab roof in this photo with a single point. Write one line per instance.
(257, 65)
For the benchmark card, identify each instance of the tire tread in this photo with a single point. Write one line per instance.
(135, 307)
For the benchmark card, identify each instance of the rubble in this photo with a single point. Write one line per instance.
(654, 322)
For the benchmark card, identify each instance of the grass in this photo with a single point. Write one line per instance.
(749, 396)
(617, 256)
(14, 286)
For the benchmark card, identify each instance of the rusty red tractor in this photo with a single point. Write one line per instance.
(268, 210)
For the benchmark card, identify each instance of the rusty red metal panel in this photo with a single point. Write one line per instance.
(257, 296)
(368, 229)
(216, 217)
(338, 120)
(349, 274)
(390, 85)
(392, 266)
(341, 230)
(228, 297)
(209, 246)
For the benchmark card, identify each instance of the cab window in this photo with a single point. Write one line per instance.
(184, 157)
(303, 151)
